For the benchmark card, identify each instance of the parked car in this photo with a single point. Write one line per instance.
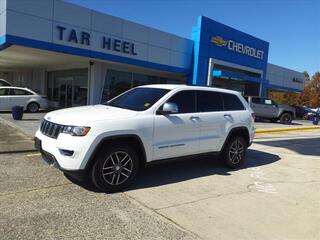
(112, 141)
(31, 101)
(4, 83)
(268, 109)
(312, 113)
(301, 111)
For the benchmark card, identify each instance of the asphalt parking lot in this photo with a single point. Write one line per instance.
(274, 196)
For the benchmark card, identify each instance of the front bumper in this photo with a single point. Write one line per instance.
(46, 157)
(52, 150)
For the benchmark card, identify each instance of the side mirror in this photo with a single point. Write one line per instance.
(168, 108)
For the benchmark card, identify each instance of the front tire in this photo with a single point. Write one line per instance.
(115, 168)
(286, 118)
(234, 152)
(33, 107)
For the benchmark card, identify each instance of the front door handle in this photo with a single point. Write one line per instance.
(193, 118)
(228, 116)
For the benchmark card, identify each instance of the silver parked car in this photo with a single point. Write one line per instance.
(16, 96)
(268, 109)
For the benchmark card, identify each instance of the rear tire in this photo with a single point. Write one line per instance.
(115, 168)
(234, 152)
(33, 107)
(286, 118)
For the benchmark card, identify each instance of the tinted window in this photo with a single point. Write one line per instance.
(185, 101)
(208, 101)
(232, 102)
(19, 92)
(4, 92)
(257, 100)
(138, 99)
(3, 83)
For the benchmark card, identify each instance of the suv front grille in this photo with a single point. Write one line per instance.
(50, 129)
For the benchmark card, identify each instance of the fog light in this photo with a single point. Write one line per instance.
(66, 152)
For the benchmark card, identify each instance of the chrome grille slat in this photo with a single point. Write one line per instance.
(50, 129)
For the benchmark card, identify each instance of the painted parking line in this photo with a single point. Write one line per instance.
(34, 155)
(261, 183)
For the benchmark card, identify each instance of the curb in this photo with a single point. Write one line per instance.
(276, 130)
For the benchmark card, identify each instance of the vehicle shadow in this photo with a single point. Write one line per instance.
(261, 120)
(178, 171)
(305, 146)
(31, 119)
(168, 173)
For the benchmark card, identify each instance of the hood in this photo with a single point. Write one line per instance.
(83, 116)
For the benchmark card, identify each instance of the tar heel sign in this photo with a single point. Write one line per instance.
(105, 43)
(238, 47)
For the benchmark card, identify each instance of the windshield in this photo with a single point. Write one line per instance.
(138, 99)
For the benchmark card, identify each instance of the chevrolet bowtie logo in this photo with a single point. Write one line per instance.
(219, 41)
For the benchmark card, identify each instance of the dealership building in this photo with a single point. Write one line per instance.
(79, 56)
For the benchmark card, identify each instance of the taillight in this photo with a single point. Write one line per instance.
(253, 115)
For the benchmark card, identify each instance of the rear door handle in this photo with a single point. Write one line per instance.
(227, 116)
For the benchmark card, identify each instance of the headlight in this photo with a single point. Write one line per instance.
(76, 131)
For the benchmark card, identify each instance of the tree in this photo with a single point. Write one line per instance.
(306, 78)
(311, 93)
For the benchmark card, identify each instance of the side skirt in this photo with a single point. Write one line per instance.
(183, 158)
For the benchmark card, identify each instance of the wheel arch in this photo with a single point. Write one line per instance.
(287, 111)
(242, 131)
(131, 139)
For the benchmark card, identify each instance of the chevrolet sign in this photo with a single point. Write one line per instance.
(238, 47)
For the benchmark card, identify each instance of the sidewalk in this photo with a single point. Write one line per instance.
(28, 125)
(13, 141)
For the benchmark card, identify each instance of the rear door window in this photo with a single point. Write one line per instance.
(20, 92)
(257, 100)
(209, 101)
(232, 102)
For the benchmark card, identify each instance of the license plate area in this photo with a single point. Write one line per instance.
(37, 144)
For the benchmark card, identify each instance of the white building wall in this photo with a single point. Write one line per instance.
(38, 20)
(284, 77)
(3, 6)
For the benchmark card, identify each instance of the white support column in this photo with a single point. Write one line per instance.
(96, 77)
(210, 68)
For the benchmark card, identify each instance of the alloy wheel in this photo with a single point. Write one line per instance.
(117, 168)
(236, 152)
(33, 107)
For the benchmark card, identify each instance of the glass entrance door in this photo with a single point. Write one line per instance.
(65, 91)
(67, 88)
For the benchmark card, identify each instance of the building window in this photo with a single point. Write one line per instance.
(117, 82)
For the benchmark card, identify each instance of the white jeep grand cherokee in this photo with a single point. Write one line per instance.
(112, 141)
